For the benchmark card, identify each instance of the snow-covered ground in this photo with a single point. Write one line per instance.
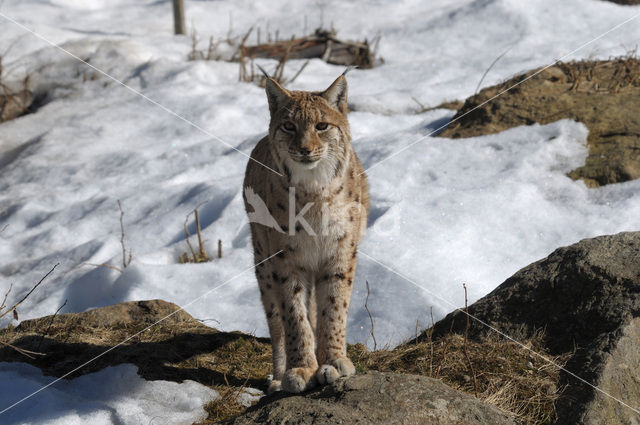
(443, 211)
(115, 395)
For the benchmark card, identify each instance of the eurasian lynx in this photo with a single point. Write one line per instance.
(317, 210)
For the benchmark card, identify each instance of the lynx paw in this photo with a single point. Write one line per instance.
(298, 379)
(274, 387)
(328, 373)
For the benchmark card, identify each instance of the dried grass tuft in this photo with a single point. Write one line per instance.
(507, 375)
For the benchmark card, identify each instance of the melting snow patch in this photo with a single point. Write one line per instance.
(113, 395)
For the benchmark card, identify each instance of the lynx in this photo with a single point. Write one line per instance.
(318, 204)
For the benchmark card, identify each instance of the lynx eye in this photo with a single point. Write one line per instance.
(289, 127)
(322, 126)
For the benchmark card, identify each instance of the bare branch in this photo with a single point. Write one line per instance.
(125, 263)
(187, 235)
(203, 253)
(4, 301)
(50, 323)
(466, 335)
(297, 74)
(366, 306)
(22, 351)
(4, 313)
(430, 335)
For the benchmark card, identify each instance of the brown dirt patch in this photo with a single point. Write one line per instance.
(604, 95)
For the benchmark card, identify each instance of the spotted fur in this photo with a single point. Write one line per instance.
(307, 286)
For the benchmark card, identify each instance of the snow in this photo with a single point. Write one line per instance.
(443, 212)
(114, 395)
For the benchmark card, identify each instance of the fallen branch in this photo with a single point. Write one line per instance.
(322, 45)
(22, 351)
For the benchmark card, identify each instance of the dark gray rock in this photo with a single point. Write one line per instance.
(377, 398)
(586, 297)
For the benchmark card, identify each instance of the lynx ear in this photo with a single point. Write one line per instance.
(276, 94)
(336, 94)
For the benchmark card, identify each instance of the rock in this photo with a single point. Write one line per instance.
(376, 398)
(604, 95)
(586, 297)
(176, 348)
(122, 314)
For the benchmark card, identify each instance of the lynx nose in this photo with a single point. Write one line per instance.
(304, 151)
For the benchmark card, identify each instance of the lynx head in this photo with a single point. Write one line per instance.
(309, 130)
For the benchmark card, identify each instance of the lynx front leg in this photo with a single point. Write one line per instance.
(299, 340)
(269, 297)
(333, 295)
(276, 330)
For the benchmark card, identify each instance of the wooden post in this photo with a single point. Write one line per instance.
(178, 17)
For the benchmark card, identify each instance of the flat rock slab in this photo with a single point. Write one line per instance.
(377, 398)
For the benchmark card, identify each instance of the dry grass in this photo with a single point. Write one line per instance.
(224, 408)
(181, 348)
(14, 102)
(507, 375)
(201, 255)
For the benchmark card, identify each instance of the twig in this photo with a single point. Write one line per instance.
(491, 66)
(219, 248)
(4, 313)
(5, 297)
(430, 337)
(50, 323)
(108, 266)
(187, 235)
(297, 74)
(366, 306)
(241, 45)
(464, 347)
(125, 263)
(444, 350)
(203, 253)
(22, 351)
